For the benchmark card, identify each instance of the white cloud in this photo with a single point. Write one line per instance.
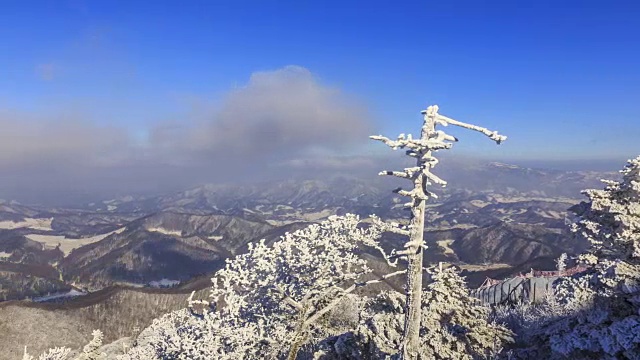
(272, 123)
(276, 113)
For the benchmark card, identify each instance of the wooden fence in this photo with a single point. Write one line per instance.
(532, 287)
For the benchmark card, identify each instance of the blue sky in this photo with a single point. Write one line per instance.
(560, 78)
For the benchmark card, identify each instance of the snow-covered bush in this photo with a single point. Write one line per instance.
(91, 351)
(561, 263)
(528, 321)
(454, 325)
(59, 353)
(271, 301)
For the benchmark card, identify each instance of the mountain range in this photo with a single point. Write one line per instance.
(489, 214)
(98, 264)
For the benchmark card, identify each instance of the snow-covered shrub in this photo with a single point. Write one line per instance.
(91, 351)
(561, 263)
(599, 319)
(454, 325)
(269, 302)
(59, 353)
(527, 321)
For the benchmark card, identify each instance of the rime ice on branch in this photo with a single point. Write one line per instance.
(610, 220)
(422, 150)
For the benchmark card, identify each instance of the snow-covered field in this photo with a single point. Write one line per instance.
(445, 245)
(70, 293)
(67, 245)
(164, 283)
(35, 224)
(165, 231)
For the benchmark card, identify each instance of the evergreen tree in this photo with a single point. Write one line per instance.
(454, 325)
(610, 220)
(600, 318)
(91, 351)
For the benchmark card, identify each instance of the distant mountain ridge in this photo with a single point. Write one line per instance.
(169, 245)
(488, 213)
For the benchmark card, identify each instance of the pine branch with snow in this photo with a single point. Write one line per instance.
(610, 220)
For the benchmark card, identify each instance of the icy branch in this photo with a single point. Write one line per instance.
(416, 145)
(392, 227)
(493, 135)
(336, 301)
(432, 177)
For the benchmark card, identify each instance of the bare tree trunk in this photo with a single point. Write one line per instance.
(413, 315)
(421, 175)
(295, 347)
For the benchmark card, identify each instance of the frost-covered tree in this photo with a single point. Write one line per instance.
(422, 149)
(599, 317)
(610, 220)
(454, 325)
(271, 301)
(561, 263)
(59, 353)
(91, 351)
(606, 323)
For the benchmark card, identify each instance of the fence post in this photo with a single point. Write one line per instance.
(533, 300)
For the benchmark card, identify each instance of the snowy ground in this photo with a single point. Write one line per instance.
(165, 231)
(71, 293)
(67, 245)
(164, 283)
(35, 224)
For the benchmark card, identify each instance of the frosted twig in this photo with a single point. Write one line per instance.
(493, 135)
